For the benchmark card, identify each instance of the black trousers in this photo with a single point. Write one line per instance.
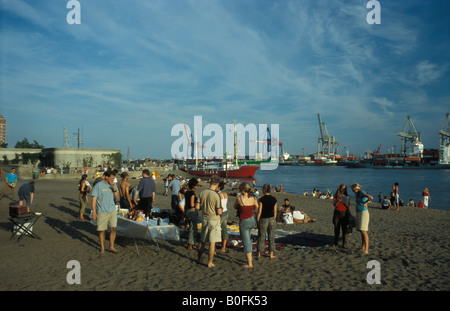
(145, 204)
(340, 222)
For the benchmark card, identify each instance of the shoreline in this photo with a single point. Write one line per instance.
(407, 243)
(163, 172)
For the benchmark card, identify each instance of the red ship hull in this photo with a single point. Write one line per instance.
(245, 171)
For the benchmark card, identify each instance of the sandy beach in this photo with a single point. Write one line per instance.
(410, 246)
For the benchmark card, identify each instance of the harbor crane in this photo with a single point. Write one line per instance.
(411, 135)
(326, 143)
(269, 142)
(67, 143)
(444, 141)
(444, 133)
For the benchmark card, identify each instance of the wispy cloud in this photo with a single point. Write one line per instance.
(145, 66)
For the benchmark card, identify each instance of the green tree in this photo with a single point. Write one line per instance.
(25, 144)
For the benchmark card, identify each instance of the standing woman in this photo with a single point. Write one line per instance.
(191, 207)
(224, 216)
(83, 188)
(341, 214)
(267, 215)
(362, 215)
(246, 203)
(426, 197)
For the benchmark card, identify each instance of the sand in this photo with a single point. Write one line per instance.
(410, 245)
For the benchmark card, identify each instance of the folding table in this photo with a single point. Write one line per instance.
(148, 230)
(23, 224)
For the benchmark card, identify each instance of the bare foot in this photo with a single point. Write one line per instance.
(113, 250)
(247, 266)
(210, 265)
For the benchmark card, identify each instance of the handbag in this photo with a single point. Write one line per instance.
(351, 222)
(288, 219)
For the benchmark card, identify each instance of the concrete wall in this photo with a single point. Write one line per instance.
(10, 153)
(79, 157)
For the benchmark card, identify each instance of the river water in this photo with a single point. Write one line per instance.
(297, 179)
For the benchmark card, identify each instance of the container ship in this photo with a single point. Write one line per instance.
(417, 157)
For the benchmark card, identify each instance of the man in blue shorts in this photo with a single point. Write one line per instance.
(11, 180)
(104, 195)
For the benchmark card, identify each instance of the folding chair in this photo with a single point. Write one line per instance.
(23, 225)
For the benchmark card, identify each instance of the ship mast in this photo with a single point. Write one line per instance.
(235, 145)
(195, 146)
(128, 155)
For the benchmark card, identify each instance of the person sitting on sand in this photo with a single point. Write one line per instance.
(411, 203)
(287, 207)
(420, 204)
(385, 204)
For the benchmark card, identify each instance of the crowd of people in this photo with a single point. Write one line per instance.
(254, 209)
(395, 202)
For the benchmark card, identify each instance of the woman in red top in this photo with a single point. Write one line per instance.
(246, 203)
(341, 202)
(426, 197)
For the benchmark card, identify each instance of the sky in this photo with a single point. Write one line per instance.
(132, 70)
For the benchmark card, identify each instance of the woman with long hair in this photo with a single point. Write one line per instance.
(246, 203)
(362, 215)
(83, 189)
(341, 214)
(224, 216)
(191, 207)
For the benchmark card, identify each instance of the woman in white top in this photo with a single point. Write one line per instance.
(224, 216)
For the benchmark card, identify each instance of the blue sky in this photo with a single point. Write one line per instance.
(133, 69)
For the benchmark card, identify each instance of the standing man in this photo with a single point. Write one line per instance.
(147, 189)
(26, 194)
(11, 180)
(104, 195)
(124, 192)
(175, 186)
(210, 205)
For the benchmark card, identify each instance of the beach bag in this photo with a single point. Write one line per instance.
(288, 219)
(351, 223)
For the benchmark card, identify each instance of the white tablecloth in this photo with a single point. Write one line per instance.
(147, 229)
